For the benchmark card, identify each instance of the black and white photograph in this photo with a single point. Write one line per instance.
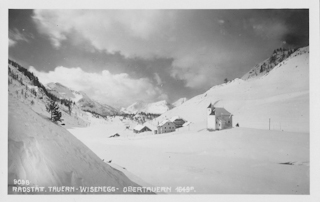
(191, 101)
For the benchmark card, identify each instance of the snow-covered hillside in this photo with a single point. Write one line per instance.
(47, 155)
(266, 66)
(44, 153)
(62, 91)
(159, 107)
(282, 96)
(179, 102)
(81, 99)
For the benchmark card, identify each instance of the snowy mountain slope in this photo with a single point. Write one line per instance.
(48, 155)
(266, 66)
(90, 105)
(44, 153)
(22, 88)
(282, 96)
(159, 107)
(64, 92)
(82, 99)
(179, 102)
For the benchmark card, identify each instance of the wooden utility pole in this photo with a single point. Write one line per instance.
(269, 123)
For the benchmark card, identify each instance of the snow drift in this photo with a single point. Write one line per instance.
(48, 155)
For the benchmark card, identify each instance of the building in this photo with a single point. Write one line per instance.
(152, 127)
(218, 118)
(141, 128)
(166, 127)
(178, 121)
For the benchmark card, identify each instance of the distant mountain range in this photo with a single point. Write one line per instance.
(90, 105)
(159, 107)
(155, 108)
(80, 98)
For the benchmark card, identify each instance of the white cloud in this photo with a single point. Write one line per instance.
(15, 35)
(199, 68)
(269, 28)
(127, 31)
(173, 34)
(113, 89)
(133, 33)
(158, 79)
(11, 42)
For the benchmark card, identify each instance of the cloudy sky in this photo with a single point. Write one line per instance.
(121, 56)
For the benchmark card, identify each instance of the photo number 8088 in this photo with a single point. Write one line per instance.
(21, 182)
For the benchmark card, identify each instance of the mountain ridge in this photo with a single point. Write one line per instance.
(84, 101)
(158, 107)
(278, 56)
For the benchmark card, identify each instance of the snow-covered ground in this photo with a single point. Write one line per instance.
(246, 160)
(234, 161)
(47, 155)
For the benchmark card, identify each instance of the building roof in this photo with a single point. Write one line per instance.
(175, 118)
(186, 123)
(222, 111)
(212, 105)
(164, 122)
(219, 111)
(138, 127)
(150, 126)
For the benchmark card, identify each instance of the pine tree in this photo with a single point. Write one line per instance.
(33, 91)
(69, 109)
(20, 80)
(53, 109)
